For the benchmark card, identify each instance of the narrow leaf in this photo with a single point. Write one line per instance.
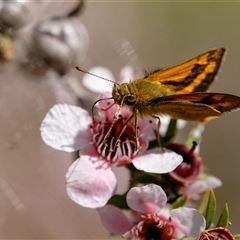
(224, 217)
(237, 237)
(211, 209)
(180, 202)
(203, 204)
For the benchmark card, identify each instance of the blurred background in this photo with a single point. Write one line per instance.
(33, 201)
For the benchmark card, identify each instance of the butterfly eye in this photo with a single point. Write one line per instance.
(130, 100)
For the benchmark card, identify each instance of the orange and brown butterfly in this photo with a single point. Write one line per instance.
(179, 91)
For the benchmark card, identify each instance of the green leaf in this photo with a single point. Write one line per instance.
(237, 237)
(224, 217)
(180, 202)
(203, 204)
(143, 178)
(171, 132)
(189, 238)
(211, 209)
(119, 201)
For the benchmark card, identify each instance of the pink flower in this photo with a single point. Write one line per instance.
(156, 220)
(90, 180)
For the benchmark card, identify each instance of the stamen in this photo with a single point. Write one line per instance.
(129, 149)
(104, 150)
(110, 150)
(98, 127)
(101, 136)
(99, 148)
(95, 138)
(123, 149)
(116, 156)
(111, 145)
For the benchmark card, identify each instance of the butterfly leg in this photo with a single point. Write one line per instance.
(122, 131)
(136, 132)
(105, 109)
(158, 130)
(109, 130)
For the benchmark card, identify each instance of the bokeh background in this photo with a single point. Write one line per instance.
(33, 202)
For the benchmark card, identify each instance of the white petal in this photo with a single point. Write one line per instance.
(114, 220)
(96, 84)
(157, 161)
(165, 120)
(147, 199)
(90, 182)
(66, 128)
(181, 123)
(200, 186)
(126, 74)
(193, 223)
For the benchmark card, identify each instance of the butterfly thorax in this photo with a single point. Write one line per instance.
(136, 95)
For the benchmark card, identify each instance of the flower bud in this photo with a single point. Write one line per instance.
(59, 41)
(14, 14)
(216, 233)
(188, 171)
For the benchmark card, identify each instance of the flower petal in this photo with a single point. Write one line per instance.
(165, 120)
(107, 104)
(200, 186)
(147, 127)
(90, 182)
(66, 127)
(147, 199)
(98, 85)
(157, 161)
(126, 74)
(114, 220)
(191, 222)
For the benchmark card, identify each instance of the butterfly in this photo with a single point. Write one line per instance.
(178, 91)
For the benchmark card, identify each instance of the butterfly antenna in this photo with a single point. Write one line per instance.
(95, 75)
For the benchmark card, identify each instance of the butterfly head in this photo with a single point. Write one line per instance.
(122, 95)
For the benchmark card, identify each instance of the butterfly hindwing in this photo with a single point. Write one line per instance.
(195, 106)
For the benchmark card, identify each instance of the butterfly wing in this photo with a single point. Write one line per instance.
(195, 75)
(195, 106)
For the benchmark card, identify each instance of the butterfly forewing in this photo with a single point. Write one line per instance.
(195, 75)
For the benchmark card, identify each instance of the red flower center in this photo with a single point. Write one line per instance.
(153, 227)
(111, 143)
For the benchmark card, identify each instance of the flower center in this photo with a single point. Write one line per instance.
(112, 142)
(153, 227)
